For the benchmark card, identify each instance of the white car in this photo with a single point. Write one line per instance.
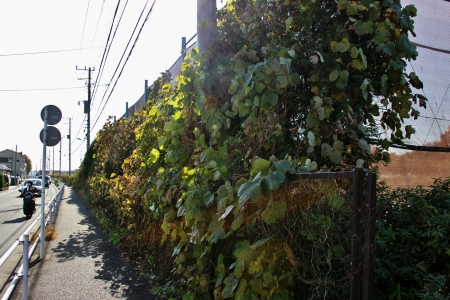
(37, 184)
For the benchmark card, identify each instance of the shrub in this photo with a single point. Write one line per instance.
(413, 242)
(3, 181)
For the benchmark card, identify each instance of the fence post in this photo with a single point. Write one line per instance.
(369, 235)
(355, 272)
(25, 266)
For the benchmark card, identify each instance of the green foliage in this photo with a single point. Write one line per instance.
(3, 181)
(413, 244)
(168, 291)
(286, 87)
(28, 163)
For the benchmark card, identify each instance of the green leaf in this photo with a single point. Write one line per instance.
(327, 110)
(233, 87)
(269, 100)
(364, 27)
(312, 121)
(333, 75)
(260, 165)
(282, 165)
(275, 212)
(343, 76)
(230, 285)
(259, 243)
(288, 23)
(354, 53)
(267, 279)
(364, 84)
(311, 138)
(256, 285)
(241, 288)
(238, 221)
(362, 143)
(294, 79)
(338, 146)
(275, 179)
(250, 190)
(282, 81)
(260, 87)
(359, 163)
(389, 49)
(216, 229)
(340, 85)
(154, 155)
(335, 157)
(311, 165)
(326, 149)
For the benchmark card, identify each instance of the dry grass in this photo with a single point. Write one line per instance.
(50, 233)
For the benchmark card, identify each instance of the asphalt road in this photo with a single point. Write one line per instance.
(12, 220)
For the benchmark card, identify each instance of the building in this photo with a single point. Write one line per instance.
(14, 161)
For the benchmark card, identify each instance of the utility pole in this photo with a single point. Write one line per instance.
(87, 108)
(206, 23)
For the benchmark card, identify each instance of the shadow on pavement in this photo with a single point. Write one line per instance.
(16, 220)
(110, 266)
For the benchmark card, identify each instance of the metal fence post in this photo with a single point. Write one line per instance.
(25, 266)
(369, 235)
(355, 275)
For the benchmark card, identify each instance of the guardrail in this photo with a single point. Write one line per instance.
(51, 216)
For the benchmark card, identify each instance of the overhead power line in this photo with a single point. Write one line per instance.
(50, 51)
(49, 89)
(104, 56)
(84, 27)
(128, 57)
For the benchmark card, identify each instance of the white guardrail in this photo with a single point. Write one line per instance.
(51, 216)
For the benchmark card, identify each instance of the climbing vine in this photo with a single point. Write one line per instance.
(286, 87)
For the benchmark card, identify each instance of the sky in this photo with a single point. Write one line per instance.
(43, 43)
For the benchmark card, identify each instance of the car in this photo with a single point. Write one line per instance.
(48, 180)
(37, 183)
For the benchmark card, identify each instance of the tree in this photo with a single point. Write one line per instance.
(28, 163)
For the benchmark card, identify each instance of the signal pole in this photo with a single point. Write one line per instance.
(87, 107)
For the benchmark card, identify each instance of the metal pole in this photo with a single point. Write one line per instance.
(126, 110)
(70, 150)
(25, 266)
(60, 148)
(369, 236)
(145, 91)
(44, 146)
(183, 47)
(15, 165)
(355, 276)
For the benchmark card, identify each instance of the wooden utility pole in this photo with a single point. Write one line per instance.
(206, 23)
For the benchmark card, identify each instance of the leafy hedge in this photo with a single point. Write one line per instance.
(203, 173)
(413, 242)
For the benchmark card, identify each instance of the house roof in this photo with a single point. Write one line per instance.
(4, 168)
